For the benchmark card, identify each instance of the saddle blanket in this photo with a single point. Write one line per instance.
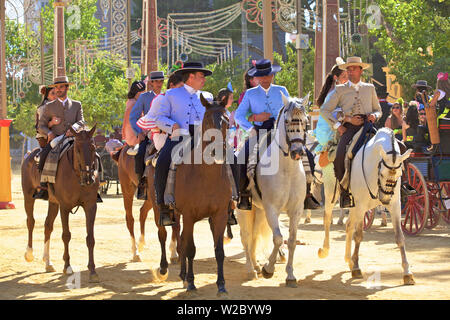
(51, 163)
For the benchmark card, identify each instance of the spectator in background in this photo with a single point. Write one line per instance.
(396, 120)
(128, 135)
(386, 106)
(249, 82)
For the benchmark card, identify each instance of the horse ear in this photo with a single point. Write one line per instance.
(92, 131)
(406, 154)
(285, 99)
(204, 102)
(305, 100)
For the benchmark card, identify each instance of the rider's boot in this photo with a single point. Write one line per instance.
(166, 215)
(231, 218)
(346, 199)
(310, 201)
(42, 193)
(142, 189)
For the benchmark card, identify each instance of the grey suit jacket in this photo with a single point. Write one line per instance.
(69, 115)
(352, 101)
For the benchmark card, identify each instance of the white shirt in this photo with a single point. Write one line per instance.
(65, 100)
(266, 90)
(356, 86)
(190, 89)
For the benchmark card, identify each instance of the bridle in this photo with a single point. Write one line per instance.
(289, 127)
(390, 183)
(87, 173)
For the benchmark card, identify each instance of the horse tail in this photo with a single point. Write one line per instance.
(262, 233)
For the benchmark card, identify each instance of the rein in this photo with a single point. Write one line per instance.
(289, 142)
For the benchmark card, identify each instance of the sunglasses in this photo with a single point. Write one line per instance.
(395, 107)
(422, 114)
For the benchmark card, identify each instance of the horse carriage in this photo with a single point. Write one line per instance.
(429, 175)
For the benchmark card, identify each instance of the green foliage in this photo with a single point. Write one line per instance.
(24, 117)
(410, 29)
(288, 75)
(224, 73)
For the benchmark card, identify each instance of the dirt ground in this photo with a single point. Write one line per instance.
(380, 261)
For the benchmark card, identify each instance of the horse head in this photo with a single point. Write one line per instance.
(390, 168)
(84, 155)
(295, 120)
(214, 129)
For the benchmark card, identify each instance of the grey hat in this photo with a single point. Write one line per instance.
(421, 83)
(156, 75)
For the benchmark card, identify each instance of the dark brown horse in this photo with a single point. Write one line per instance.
(204, 191)
(128, 182)
(76, 184)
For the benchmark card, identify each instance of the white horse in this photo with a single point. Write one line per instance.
(281, 179)
(375, 180)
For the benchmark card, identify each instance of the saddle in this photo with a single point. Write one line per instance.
(359, 139)
(51, 163)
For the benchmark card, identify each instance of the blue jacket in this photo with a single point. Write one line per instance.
(256, 101)
(140, 108)
(181, 107)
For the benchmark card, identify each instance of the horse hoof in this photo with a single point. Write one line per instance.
(50, 268)
(408, 280)
(383, 224)
(222, 293)
(68, 270)
(252, 275)
(191, 289)
(291, 283)
(162, 276)
(226, 240)
(323, 253)
(93, 278)
(340, 223)
(266, 274)
(357, 274)
(257, 269)
(136, 258)
(175, 260)
(307, 220)
(29, 255)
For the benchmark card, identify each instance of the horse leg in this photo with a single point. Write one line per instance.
(308, 216)
(128, 204)
(189, 252)
(330, 193)
(175, 243)
(246, 225)
(272, 219)
(356, 272)
(142, 218)
(66, 236)
(51, 216)
(218, 224)
(341, 217)
(162, 271)
(383, 216)
(395, 211)
(350, 229)
(91, 212)
(29, 207)
(294, 216)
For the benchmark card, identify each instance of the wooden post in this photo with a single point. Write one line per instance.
(299, 51)
(332, 34)
(5, 158)
(318, 53)
(267, 29)
(151, 38)
(129, 73)
(59, 55)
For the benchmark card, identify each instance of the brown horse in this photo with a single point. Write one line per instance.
(76, 184)
(204, 191)
(128, 182)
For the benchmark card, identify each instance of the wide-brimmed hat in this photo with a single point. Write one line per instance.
(354, 61)
(194, 67)
(156, 75)
(263, 68)
(60, 80)
(421, 83)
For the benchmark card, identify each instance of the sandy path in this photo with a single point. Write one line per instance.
(428, 254)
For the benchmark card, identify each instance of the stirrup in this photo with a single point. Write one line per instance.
(245, 201)
(133, 151)
(346, 200)
(165, 216)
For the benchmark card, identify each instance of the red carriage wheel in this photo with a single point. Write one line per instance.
(368, 219)
(415, 207)
(435, 206)
(446, 194)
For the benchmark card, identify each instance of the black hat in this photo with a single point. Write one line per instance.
(263, 68)
(194, 67)
(421, 83)
(136, 86)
